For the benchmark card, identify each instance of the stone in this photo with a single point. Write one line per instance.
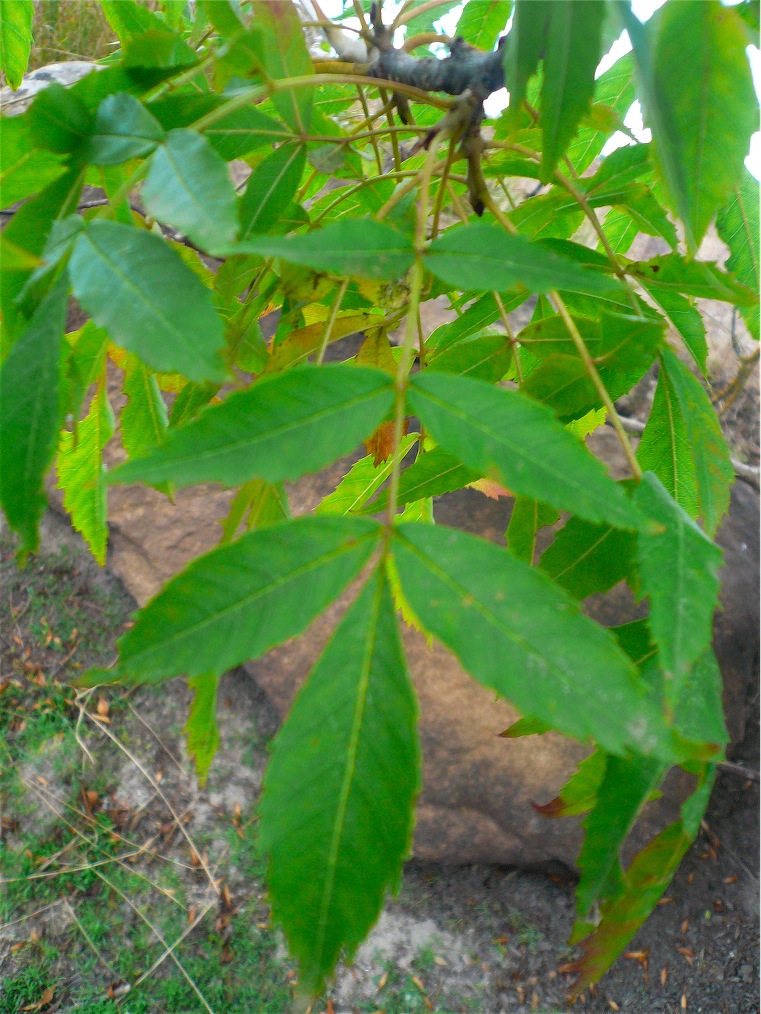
(475, 804)
(65, 74)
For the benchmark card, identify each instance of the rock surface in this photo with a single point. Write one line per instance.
(475, 805)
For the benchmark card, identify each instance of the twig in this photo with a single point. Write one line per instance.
(31, 915)
(730, 392)
(159, 937)
(739, 770)
(112, 971)
(156, 788)
(730, 852)
(168, 952)
(332, 320)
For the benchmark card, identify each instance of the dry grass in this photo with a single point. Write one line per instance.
(69, 30)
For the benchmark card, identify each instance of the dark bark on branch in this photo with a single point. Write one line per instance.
(465, 68)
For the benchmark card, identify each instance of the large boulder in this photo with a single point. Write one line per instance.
(478, 788)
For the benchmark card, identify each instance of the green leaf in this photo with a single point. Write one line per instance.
(484, 257)
(361, 248)
(84, 363)
(738, 225)
(640, 204)
(692, 278)
(279, 428)
(201, 727)
(16, 18)
(615, 89)
(700, 715)
(431, 474)
(487, 357)
(29, 414)
(285, 55)
(545, 656)
(156, 55)
(525, 45)
(620, 229)
(81, 473)
(505, 436)
(571, 55)
(622, 792)
(337, 809)
(24, 168)
(702, 118)
(361, 482)
(482, 23)
(682, 595)
(137, 287)
(527, 726)
(647, 878)
(225, 15)
(188, 187)
(630, 164)
(579, 794)
(684, 446)
(586, 559)
(686, 319)
(63, 232)
(28, 229)
(128, 18)
(270, 189)
(143, 419)
(238, 601)
(482, 312)
(232, 136)
(527, 518)
(261, 504)
(623, 349)
(123, 129)
(15, 258)
(188, 403)
(426, 21)
(58, 120)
